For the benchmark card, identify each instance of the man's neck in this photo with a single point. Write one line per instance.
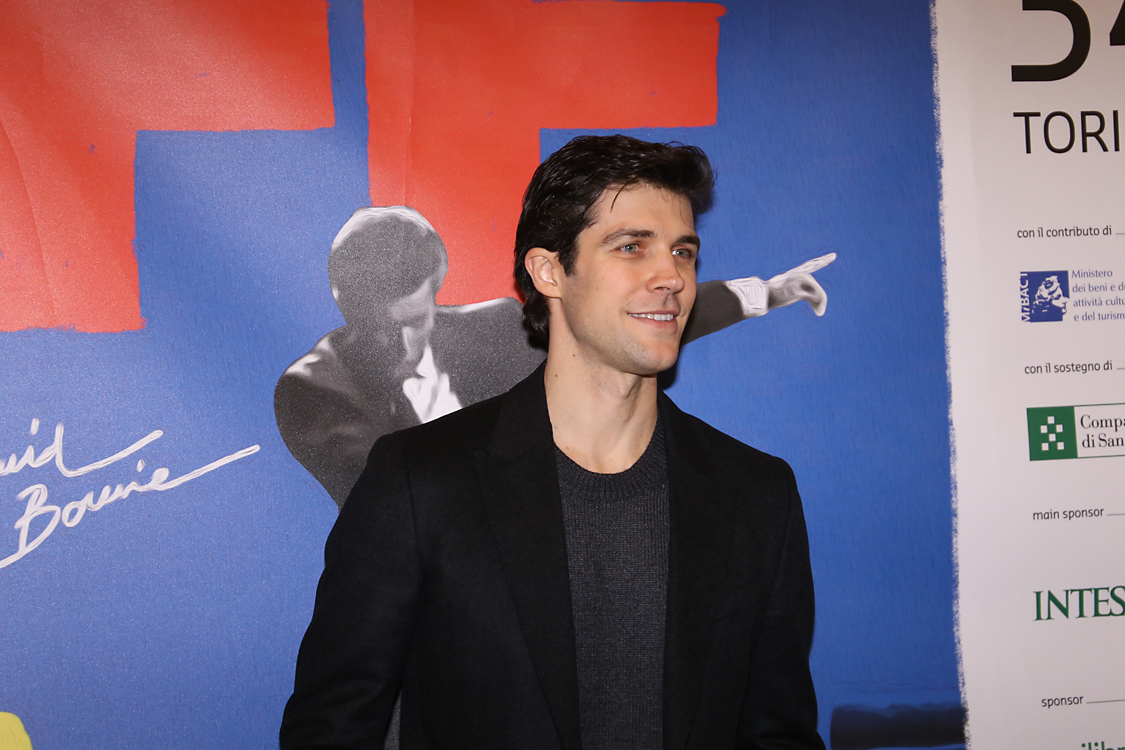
(601, 419)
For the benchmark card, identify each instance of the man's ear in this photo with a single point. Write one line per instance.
(545, 270)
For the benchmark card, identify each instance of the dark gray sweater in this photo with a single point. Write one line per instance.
(617, 556)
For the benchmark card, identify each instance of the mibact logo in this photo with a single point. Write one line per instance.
(1043, 295)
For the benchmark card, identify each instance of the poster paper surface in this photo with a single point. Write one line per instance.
(1030, 114)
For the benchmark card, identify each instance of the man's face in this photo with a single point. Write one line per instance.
(633, 285)
(404, 328)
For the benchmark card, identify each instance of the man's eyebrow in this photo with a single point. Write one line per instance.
(643, 234)
(627, 233)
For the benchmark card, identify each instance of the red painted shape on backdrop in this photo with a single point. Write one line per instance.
(457, 92)
(77, 80)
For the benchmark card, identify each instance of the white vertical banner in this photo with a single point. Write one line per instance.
(1032, 116)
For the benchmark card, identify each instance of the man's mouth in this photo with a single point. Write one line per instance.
(653, 316)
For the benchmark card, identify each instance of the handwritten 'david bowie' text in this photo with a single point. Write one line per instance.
(71, 514)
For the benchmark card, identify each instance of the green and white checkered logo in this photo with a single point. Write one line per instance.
(1051, 433)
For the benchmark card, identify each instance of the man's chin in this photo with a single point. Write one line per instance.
(652, 366)
(407, 367)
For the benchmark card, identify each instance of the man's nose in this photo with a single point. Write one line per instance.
(667, 272)
(390, 340)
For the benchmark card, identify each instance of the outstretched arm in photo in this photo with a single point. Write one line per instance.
(723, 303)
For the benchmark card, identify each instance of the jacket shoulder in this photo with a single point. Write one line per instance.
(715, 451)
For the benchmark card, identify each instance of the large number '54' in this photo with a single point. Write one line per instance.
(1079, 49)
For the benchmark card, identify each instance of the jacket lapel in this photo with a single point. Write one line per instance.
(702, 522)
(520, 480)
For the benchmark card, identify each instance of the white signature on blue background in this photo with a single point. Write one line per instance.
(71, 513)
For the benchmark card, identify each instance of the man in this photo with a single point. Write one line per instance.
(402, 359)
(576, 563)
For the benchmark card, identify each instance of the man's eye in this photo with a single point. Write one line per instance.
(632, 247)
(684, 252)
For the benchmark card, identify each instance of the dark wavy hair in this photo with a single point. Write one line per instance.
(558, 203)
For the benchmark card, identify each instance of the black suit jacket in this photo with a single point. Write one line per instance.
(446, 575)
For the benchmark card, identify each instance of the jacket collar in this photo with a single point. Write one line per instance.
(521, 491)
(520, 479)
